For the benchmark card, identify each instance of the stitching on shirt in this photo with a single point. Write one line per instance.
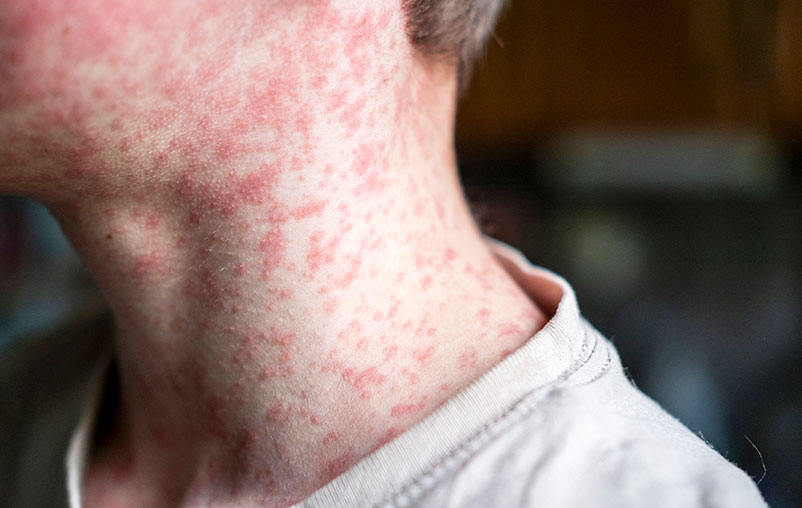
(605, 367)
(424, 482)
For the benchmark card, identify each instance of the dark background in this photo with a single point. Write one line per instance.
(651, 153)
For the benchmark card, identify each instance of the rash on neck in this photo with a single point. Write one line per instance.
(273, 213)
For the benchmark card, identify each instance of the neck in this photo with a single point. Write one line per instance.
(288, 299)
(275, 328)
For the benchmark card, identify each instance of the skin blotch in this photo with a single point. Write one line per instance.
(273, 246)
(424, 356)
(267, 195)
(148, 266)
(364, 381)
(277, 413)
(321, 253)
(468, 360)
(405, 410)
(309, 209)
(339, 465)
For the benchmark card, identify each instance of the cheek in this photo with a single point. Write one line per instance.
(76, 74)
(46, 47)
(57, 49)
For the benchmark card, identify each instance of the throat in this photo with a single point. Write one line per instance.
(284, 312)
(262, 361)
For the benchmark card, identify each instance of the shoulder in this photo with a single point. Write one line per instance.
(598, 442)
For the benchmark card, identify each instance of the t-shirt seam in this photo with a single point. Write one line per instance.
(424, 481)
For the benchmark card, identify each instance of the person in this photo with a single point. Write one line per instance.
(304, 310)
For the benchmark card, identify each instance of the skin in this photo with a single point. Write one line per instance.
(266, 193)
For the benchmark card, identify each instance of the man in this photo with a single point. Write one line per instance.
(304, 310)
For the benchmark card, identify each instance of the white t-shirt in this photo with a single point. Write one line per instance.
(555, 424)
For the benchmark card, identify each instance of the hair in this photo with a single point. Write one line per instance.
(454, 30)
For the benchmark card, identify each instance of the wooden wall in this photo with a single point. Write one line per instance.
(558, 64)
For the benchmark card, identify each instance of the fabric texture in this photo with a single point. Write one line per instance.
(557, 423)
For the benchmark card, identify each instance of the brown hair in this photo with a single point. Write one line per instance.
(455, 30)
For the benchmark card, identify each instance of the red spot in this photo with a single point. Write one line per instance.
(330, 305)
(426, 282)
(274, 371)
(401, 410)
(278, 213)
(390, 352)
(252, 188)
(338, 466)
(483, 314)
(283, 339)
(273, 245)
(394, 309)
(419, 330)
(364, 155)
(358, 45)
(246, 350)
(423, 356)
(388, 436)
(352, 273)
(510, 329)
(265, 478)
(309, 209)
(370, 377)
(361, 34)
(449, 255)
(332, 363)
(242, 450)
(468, 360)
(277, 413)
(148, 266)
(352, 116)
(371, 185)
(330, 438)
(353, 328)
(413, 378)
(320, 254)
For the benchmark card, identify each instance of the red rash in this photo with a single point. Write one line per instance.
(362, 380)
(404, 410)
(468, 360)
(280, 232)
(277, 413)
(273, 245)
(338, 466)
(424, 357)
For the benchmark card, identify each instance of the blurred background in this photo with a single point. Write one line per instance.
(651, 153)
